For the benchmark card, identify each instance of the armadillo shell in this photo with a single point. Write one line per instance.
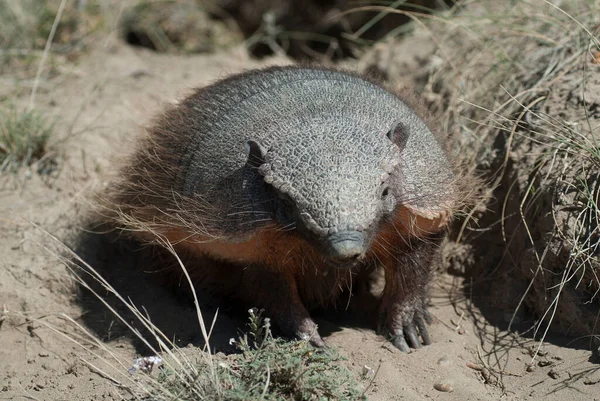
(307, 108)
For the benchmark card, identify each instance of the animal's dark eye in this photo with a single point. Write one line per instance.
(398, 134)
(287, 203)
(385, 192)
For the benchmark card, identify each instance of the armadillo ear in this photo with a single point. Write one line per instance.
(399, 135)
(256, 153)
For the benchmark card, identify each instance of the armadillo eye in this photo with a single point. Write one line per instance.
(398, 134)
(286, 202)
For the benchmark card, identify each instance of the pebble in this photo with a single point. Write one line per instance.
(444, 361)
(367, 371)
(443, 386)
(474, 366)
(553, 374)
(487, 376)
(530, 368)
(542, 364)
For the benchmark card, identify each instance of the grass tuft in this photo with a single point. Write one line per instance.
(270, 368)
(23, 138)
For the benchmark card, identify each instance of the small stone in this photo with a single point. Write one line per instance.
(443, 386)
(487, 376)
(44, 354)
(138, 73)
(474, 366)
(367, 371)
(553, 374)
(530, 368)
(461, 331)
(3, 312)
(544, 363)
(444, 361)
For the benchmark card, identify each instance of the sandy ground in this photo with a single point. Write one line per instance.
(98, 104)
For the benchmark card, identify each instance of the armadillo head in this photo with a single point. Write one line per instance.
(334, 186)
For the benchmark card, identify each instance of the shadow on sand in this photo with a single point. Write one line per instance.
(151, 279)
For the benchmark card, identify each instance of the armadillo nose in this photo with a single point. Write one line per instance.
(346, 245)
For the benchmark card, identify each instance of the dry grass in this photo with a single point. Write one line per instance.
(548, 160)
(23, 138)
(25, 27)
(178, 26)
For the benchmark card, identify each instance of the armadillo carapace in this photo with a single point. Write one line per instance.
(295, 180)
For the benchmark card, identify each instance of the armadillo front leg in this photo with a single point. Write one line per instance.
(403, 310)
(277, 293)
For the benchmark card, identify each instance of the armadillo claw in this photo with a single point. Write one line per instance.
(400, 342)
(408, 327)
(316, 341)
(422, 323)
(307, 330)
(413, 338)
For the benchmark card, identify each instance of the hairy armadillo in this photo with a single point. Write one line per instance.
(296, 180)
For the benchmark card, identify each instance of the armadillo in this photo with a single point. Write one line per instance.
(295, 180)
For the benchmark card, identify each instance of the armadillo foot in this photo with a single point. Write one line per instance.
(406, 324)
(278, 295)
(307, 330)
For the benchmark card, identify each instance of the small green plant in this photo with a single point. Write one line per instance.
(23, 137)
(270, 368)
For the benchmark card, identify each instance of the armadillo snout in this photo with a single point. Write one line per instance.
(346, 246)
